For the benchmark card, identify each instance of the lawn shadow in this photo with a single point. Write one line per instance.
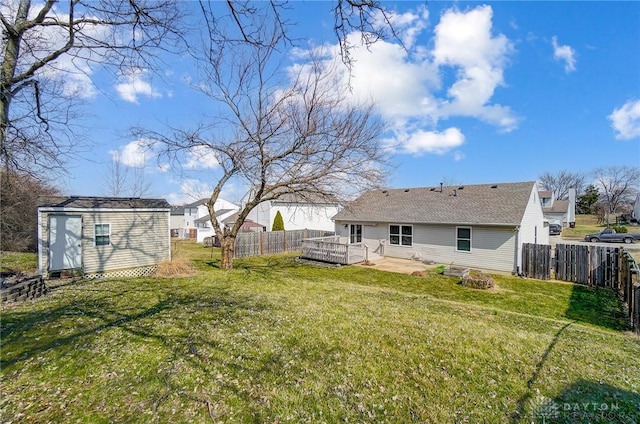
(116, 308)
(586, 402)
(597, 306)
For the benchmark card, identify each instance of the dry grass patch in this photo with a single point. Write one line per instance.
(176, 267)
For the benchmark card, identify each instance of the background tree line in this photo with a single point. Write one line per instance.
(610, 189)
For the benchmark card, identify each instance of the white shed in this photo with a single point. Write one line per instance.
(103, 236)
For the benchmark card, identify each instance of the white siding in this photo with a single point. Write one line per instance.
(262, 215)
(492, 248)
(137, 239)
(304, 216)
(532, 228)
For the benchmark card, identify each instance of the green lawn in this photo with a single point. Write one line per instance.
(277, 341)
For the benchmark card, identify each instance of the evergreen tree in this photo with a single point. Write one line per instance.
(586, 202)
(278, 223)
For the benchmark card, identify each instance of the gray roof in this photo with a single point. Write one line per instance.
(197, 203)
(304, 198)
(558, 206)
(177, 210)
(206, 218)
(489, 204)
(88, 202)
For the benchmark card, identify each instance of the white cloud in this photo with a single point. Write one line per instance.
(464, 41)
(408, 88)
(135, 85)
(419, 142)
(200, 157)
(134, 155)
(71, 75)
(564, 53)
(192, 189)
(626, 120)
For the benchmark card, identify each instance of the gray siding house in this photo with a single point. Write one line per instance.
(482, 226)
(102, 236)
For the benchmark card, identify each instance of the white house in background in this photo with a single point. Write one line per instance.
(196, 218)
(555, 211)
(176, 222)
(635, 212)
(298, 212)
(482, 226)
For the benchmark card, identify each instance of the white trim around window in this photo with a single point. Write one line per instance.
(101, 234)
(401, 235)
(355, 233)
(463, 239)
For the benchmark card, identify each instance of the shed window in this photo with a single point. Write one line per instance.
(102, 234)
(463, 239)
(401, 235)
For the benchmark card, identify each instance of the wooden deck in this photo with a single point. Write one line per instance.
(330, 249)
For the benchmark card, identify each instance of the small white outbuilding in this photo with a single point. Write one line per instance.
(103, 236)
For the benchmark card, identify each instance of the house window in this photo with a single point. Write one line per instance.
(401, 235)
(463, 239)
(355, 233)
(102, 234)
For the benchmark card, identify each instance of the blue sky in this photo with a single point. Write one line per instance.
(485, 92)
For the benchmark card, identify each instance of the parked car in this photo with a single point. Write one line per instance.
(612, 236)
(555, 229)
(626, 219)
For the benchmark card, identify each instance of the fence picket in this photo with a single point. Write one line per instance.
(273, 242)
(596, 266)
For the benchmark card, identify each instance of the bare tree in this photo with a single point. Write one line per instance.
(115, 180)
(618, 185)
(18, 204)
(561, 182)
(121, 180)
(367, 17)
(49, 43)
(276, 131)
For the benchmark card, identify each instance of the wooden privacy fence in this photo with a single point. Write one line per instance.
(595, 266)
(589, 265)
(273, 242)
(630, 289)
(536, 260)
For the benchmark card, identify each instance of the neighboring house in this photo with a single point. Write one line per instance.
(197, 221)
(558, 211)
(298, 213)
(247, 226)
(177, 222)
(635, 212)
(103, 236)
(481, 226)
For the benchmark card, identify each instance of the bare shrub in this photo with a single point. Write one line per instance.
(477, 280)
(176, 267)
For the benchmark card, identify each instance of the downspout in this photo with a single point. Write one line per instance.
(40, 244)
(518, 251)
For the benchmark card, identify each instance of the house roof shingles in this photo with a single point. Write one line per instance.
(558, 206)
(88, 202)
(489, 204)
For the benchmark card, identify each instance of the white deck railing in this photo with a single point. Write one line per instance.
(329, 249)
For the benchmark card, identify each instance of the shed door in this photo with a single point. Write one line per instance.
(65, 248)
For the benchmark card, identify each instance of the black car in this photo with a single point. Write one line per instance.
(555, 229)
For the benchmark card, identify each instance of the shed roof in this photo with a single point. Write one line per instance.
(88, 202)
(489, 204)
